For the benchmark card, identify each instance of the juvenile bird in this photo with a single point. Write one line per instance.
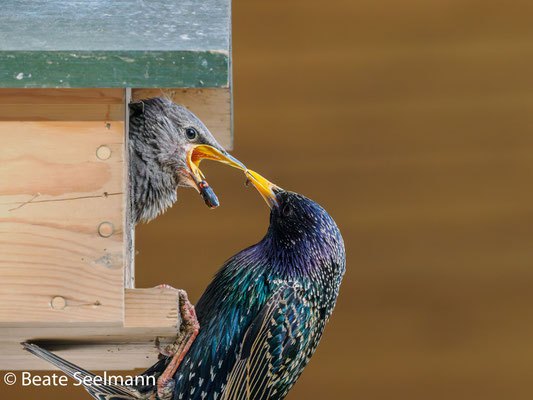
(261, 317)
(167, 142)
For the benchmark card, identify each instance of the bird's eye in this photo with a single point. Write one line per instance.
(287, 210)
(191, 133)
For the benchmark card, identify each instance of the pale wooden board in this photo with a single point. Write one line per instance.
(136, 349)
(150, 313)
(61, 96)
(58, 160)
(211, 105)
(54, 193)
(61, 104)
(46, 256)
(151, 308)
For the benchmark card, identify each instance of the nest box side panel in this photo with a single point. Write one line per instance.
(61, 206)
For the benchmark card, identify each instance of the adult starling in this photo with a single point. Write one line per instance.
(167, 142)
(262, 316)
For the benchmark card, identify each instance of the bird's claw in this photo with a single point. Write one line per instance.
(189, 329)
(189, 324)
(166, 351)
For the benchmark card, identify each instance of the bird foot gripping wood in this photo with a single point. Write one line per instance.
(189, 329)
(171, 349)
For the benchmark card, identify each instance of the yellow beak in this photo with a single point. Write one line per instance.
(267, 189)
(201, 152)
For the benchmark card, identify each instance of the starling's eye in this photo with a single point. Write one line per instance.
(191, 133)
(287, 210)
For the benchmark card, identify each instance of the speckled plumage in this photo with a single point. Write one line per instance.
(261, 318)
(264, 313)
(158, 154)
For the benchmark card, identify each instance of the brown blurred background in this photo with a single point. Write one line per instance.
(411, 123)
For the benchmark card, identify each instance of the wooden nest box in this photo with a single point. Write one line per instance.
(69, 70)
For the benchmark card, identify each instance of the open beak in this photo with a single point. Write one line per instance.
(267, 189)
(201, 152)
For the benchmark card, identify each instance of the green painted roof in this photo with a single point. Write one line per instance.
(115, 43)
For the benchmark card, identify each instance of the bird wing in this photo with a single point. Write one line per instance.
(271, 344)
(100, 392)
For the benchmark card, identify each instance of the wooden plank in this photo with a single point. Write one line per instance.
(75, 26)
(53, 249)
(53, 239)
(93, 349)
(150, 313)
(114, 69)
(57, 160)
(115, 44)
(211, 105)
(61, 112)
(61, 96)
(61, 104)
(151, 308)
(61, 214)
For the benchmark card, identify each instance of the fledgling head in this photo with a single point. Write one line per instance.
(167, 142)
(167, 133)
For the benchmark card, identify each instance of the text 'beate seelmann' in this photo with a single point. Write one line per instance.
(62, 380)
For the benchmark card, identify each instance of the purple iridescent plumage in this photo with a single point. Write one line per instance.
(263, 315)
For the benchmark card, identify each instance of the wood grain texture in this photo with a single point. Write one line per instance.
(150, 313)
(61, 104)
(211, 105)
(61, 96)
(151, 308)
(54, 194)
